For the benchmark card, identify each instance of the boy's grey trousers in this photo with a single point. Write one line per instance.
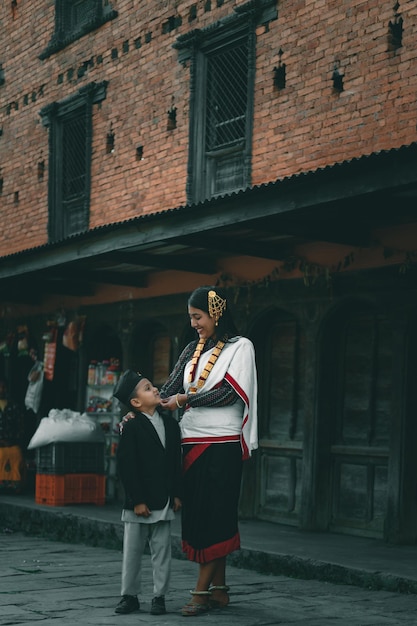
(135, 537)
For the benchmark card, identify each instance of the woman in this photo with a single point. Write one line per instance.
(215, 381)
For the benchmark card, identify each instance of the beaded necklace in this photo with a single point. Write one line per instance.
(210, 363)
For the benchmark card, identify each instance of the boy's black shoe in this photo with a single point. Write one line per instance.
(127, 604)
(158, 606)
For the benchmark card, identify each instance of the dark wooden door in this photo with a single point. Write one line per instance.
(360, 424)
(281, 376)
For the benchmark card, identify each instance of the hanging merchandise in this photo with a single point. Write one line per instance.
(70, 337)
(22, 341)
(73, 334)
(61, 318)
(81, 319)
(50, 338)
(35, 386)
(7, 344)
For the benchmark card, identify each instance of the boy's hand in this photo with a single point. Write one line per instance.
(141, 510)
(177, 504)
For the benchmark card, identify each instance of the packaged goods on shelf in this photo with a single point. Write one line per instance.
(105, 372)
(105, 410)
(98, 404)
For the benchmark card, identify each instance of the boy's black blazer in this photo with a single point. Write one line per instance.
(149, 473)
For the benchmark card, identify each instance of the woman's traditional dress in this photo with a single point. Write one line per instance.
(219, 431)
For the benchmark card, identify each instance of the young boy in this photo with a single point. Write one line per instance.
(149, 467)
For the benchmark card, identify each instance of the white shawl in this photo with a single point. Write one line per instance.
(236, 364)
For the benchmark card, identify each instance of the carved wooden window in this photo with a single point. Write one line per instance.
(227, 119)
(75, 15)
(221, 100)
(70, 137)
(220, 142)
(76, 18)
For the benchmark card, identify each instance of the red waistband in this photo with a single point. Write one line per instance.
(209, 439)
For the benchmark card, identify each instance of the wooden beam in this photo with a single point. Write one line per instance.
(345, 230)
(242, 247)
(111, 277)
(180, 262)
(86, 274)
(33, 290)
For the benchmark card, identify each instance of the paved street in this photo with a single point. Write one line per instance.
(48, 582)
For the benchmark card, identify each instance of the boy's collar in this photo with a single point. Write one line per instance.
(138, 411)
(155, 413)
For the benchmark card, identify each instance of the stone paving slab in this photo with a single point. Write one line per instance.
(49, 583)
(266, 548)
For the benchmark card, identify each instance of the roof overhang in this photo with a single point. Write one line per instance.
(339, 204)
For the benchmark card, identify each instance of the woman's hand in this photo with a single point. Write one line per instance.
(125, 418)
(177, 504)
(172, 403)
(169, 403)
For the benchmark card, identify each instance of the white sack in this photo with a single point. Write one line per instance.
(66, 425)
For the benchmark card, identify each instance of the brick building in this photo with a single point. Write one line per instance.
(148, 148)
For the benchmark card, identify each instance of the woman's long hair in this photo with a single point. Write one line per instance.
(199, 300)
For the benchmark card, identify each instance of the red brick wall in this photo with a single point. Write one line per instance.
(308, 125)
(299, 128)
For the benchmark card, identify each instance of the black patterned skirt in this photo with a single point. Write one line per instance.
(212, 478)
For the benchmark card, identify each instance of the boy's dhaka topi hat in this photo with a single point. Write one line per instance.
(126, 385)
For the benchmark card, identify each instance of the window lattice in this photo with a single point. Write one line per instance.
(78, 13)
(227, 96)
(74, 157)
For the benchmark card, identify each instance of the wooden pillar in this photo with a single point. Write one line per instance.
(401, 517)
(310, 514)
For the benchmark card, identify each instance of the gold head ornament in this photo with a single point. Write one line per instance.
(216, 305)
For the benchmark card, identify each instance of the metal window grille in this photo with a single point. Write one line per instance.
(227, 97)
(71, 126)
(77, 13)
(74, 166)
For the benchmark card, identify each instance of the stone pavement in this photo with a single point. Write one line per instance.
(266, 548)
(65, 584)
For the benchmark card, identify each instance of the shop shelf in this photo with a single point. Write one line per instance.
(61, 489)
(71, 458)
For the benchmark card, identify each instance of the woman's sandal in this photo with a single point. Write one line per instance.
(216, 603)
(192, 608)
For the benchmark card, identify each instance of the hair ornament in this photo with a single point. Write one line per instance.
(216, 305)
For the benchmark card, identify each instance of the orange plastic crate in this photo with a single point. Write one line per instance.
(57, 490)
